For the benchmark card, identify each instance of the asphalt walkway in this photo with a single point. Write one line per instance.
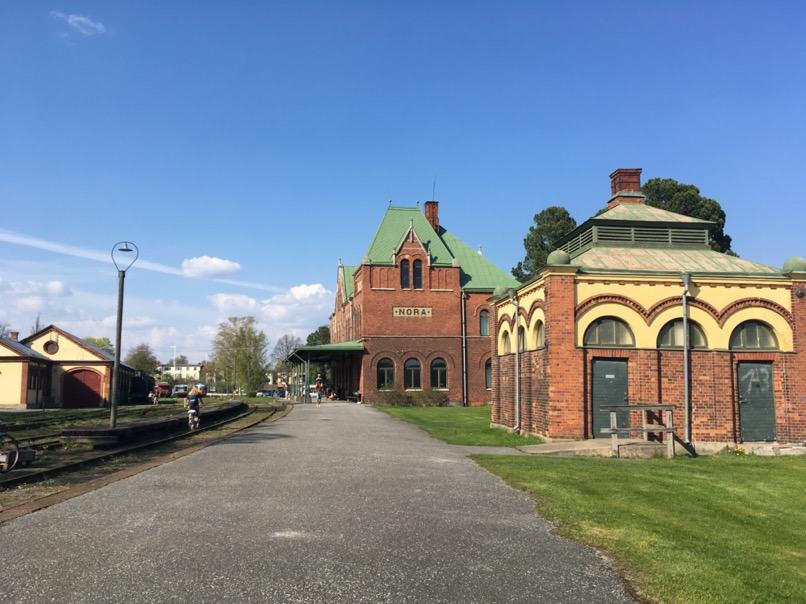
(337, 504)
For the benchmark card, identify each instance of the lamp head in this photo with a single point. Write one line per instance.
(124, 247)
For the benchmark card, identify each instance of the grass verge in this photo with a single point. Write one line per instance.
(460, 425)
(720, 529)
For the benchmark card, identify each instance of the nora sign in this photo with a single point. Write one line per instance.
(418, 312)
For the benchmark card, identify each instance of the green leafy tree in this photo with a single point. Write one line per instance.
(550, 225)
(104, 344)
(239, 353)
(320, 336)
(181, 360)
(142, 358)
(668, 194)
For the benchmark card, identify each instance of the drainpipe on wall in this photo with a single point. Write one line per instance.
(517, 361)
(686, 343)
(464, 349)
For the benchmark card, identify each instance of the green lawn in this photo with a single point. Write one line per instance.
(460, 425)
(704, 530)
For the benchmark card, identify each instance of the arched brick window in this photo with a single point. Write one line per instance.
(411, 374)
(753, 335)
(418, 274)
(484, 323)
(671, 335)
(404, 274)
(439, 373)
(386, 374)
(609, 331)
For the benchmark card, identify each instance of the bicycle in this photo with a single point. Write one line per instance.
(193, 419)
(9, 452)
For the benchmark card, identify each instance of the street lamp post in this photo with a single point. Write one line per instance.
(121, 262)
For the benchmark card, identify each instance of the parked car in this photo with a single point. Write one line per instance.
(280, 393)
(163, 389)
(180, 391)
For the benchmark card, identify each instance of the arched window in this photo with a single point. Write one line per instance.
(484, 323)
(521, 339)
(418, 274)
(439, 373)
(671, 335)
(753, 335)
(507, 343)
(540, 337)
(488, 374)
(404, 274)
(608, 331)
(411, 374)
(386, 374)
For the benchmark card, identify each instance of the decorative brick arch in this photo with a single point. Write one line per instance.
(536, 305)
(586, 305)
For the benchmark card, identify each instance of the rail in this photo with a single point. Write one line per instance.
(646, 427)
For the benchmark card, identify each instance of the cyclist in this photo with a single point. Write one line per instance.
(194, 402)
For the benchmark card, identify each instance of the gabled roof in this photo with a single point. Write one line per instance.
(21, 349)
(395, 226)
(477, 273)
(101, 353)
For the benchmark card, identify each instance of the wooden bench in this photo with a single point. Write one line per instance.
(646, 427)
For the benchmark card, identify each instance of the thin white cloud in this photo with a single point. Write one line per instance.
(37, 288)
(78, 252)
(80, 23)
(205, 267)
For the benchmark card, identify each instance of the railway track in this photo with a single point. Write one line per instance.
(22, 486)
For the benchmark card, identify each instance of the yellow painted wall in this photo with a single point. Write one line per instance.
(10, 384)
(718, 293)
(647, 292)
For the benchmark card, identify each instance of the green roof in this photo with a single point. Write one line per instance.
(640, 259)
(347, 274)
(477, 272)
(640, 212)
(634, 237)
(394, 228)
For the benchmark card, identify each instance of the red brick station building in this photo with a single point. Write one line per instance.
(416, 312)
(604, 323)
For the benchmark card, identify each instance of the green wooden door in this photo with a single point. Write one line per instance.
(609, 388)
(756, 401)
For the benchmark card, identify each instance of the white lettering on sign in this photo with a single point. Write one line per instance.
(610, 376)
(411, 311)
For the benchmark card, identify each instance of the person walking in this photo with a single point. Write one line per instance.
(319, 388)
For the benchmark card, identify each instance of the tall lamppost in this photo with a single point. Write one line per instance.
(123, 261)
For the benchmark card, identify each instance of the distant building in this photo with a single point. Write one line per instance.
(603, 324)
(414, 313)
(182, 372)
(53, 368)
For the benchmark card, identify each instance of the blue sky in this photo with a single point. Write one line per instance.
(245, 147)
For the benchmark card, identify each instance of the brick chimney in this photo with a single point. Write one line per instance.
(625, 187)
(13, 335)
(432, 214)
